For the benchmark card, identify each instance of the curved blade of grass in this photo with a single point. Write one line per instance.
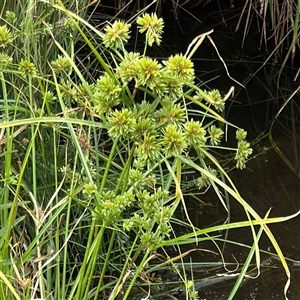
(236, 195)
(5, 280)
(188, 238)
(49, 120)
(246, 265)
(250, 210)
(179, 195)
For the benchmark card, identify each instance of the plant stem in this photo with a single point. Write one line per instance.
(137, 273)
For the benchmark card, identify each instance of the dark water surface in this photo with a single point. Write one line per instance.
(267, 183)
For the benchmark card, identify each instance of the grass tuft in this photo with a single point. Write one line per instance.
(93, 170)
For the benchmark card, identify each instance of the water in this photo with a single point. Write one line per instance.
(267, 183)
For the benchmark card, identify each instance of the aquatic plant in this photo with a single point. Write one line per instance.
(94, 168)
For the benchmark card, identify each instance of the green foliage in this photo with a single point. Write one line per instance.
(153, 26)
(95, 167)
(27, 68)
(5, 36)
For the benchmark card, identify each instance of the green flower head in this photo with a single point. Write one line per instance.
(180, 67)
(116, 35)
(204, 181)
(242, 154)
(171, 113)
(173, 141)
(215, 135)
(168, 86)
(49, 97)
(107, 92)
(70, 24)
(127, 69)
(148, 149)
(5, 60)
(214, 97)
(5, 36)
(143, 126)
(153, 27)
(148, 71)
(194, 133)
(121, 123)
(89, 190)
(27, 68)
(10, 17)
(61, 64)
(241, 134)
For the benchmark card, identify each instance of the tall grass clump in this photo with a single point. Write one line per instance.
(94, 169)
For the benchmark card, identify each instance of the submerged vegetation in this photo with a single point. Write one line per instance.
(94, 169)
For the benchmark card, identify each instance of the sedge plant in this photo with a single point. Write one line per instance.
(94, 169)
